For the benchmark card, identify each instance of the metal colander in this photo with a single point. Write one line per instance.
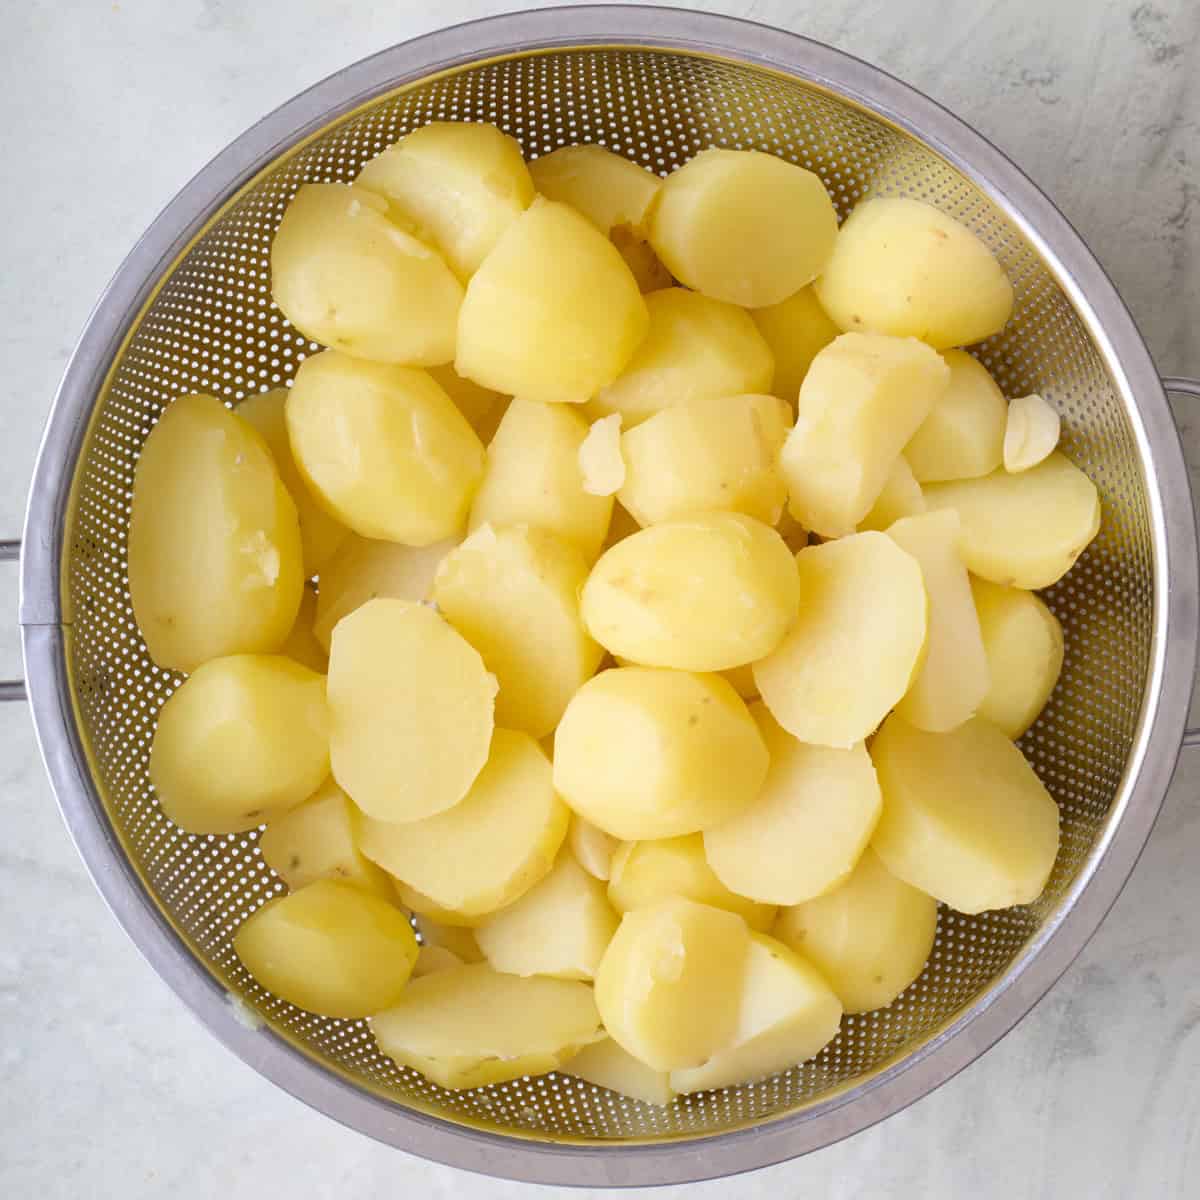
(191, 311)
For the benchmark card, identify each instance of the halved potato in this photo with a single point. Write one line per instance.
(901, 497)
(592, 847)
(796, 329)
(302, 645)
(608, 1065)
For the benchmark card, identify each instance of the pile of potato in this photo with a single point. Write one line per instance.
(667, 697)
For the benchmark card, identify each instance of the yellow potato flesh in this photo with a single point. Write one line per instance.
(330, 948)
(855, 646)
(607, 1065)
(899, 266)
(964, 816)
(901, 497)
(483, 408)
(241, 740)
(347, 277)
(607, 189)
(592, 847)
(302, 645)
(214, 544)
(459, 940)
(431, 959)
(422, 906)
(644, 265)
(384, 448)
(796, 330)
(600, 460)
(411, 707)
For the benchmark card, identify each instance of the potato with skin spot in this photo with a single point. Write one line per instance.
(302, 645)
(901, 497)
(600, 459)
(483, 408)
(606, 1064)
(796, 330)
(592, 847)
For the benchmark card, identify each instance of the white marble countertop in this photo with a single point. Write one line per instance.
(108, 1088)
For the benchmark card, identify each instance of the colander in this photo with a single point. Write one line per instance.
(190, 310)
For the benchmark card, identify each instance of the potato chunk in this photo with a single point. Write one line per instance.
(899, 266)
(864, 396)
(214, 544)
(592, 847)
(384, 448)
(1031, 432)
(239, 742)
(608, 1065)
(605, 187)
(796, 329)
(901, 497)
(330, 948)
(601, 462)
(964, 816)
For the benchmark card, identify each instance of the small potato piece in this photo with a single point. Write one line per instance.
(696, 348)
(471, 1026)
(330, 948)
(701, 593)
(796, 329)
(384, 448)
(553, 314)
(645, 873)
(239, 742)
(787, 1014)
(855, 646)
(901, 497)
(712, 455)
(607, 1065)
(592, 847)
(808, 826)
(1023, 530)
(864, 396)
(605, 187)
(458, 939)
(743, 226)
(214, 544)
(302, 645)
(491, 848)
(431, 959)
(964, 816)
(513, 594)
(411, 706)
(953, 680)
(1024, 645)
(963, 436)
(1031, 432)
(351, 279)
(899, 266)
(870, 937)
(646, 753)
(600, 461)
(667, 988)
(483, 408)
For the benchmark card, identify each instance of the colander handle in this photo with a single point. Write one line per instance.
(11, 689)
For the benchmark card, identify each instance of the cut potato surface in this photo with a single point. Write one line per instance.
(1030, 433)
(964, 816)
(605, 187)
(592, 847)
(600, 460)
(421, 906)
(608, 1065)
(901, 497)
(796, 329)
(302, 645)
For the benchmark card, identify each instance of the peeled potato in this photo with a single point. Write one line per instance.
(644, 265)
(1024, 645)
(424, 907)
(351, 279)
(1023, 530)
(864, 396)
(458, 939)
(870, 937)
(645, 753)
(214, 544)
(901, 497)
(796, 329)
(330, 948)
(743, 226)
(601, 462)
(696, 348)
(302, 645)
(240, 741)
(607, 1065)
(899, 266)
(605, 187)
(411, 708)
(855, 645)
(553, 314)
(384, 448)
(471, 1026)
(964, 816)
(592, 847)
(1031, 431)
(483, 408)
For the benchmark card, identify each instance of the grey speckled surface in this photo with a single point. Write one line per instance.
(107, 1087)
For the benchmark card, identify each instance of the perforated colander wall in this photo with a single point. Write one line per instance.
(213, 328)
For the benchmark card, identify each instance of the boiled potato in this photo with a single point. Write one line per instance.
(384, 448)
(347, 277)
(431, 959)
(491, 848)
(422, 906)
(964, 816)
(1023, 530)
(712, 455)
(472, 1026)
(1024, 645)
(864, 396)
(456, 185)
(645, 873)
(330, 948)
(411, 707)
(601, 462)
(560, 927)
(302, 644)
(533, 477)
(901, 497)
(808, 826)
(963, 436)
(458, 939)
(667, 988)
(644, 265)
(239, 742)
(900, 266)
(796, 329)
(1031, 431)
(483, 408)
(646, 753)
(743, 226)
(695, 348)
(787, 1013)
(953, 680)
(700, 593)
(513, 594)
(592, 847)
(607, 1065)
(855, 646)
(870, 937)
(605, 187)
(553, 314)
(214, 544)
